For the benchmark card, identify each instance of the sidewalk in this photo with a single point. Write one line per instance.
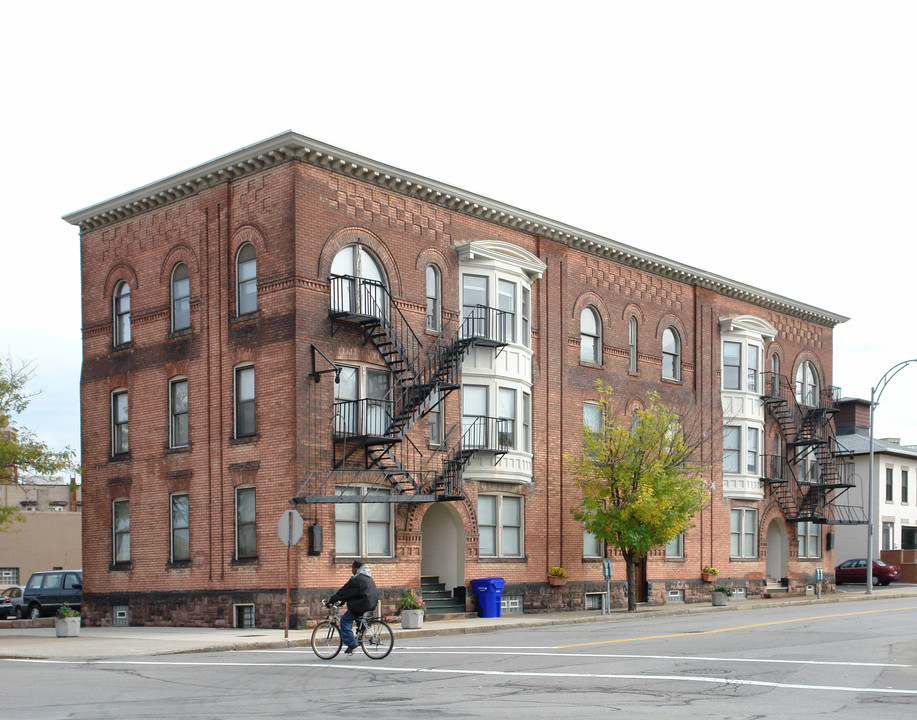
(39, 643)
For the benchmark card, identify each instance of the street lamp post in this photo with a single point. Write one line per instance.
(873, 402)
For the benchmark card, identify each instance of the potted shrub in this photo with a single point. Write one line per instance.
(557, 576)
(708, 574)
(720, 593)
(67, 622)
(412, 609)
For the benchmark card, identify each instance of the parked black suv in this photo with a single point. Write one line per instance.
(47, 591)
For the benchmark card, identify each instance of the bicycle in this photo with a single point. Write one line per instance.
(372, 634)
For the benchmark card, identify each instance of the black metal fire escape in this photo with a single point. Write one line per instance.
(811, 478)
(376, 429)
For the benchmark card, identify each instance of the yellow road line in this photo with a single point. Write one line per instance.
(731, 629)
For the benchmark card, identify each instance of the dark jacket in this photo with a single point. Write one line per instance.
(360, 592)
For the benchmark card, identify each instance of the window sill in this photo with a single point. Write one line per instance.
(120, 349)
(122, 457)
(247, 319)
(177, 450)
(183, 332)
(178, 564)
(586, 363)
(244, 440)
(244, 562)
(503, 560)
(121, 567)
(671, 381)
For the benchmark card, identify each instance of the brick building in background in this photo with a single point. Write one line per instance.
(411, 362)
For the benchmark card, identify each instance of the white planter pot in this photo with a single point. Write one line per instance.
(67, 626)
(411, 619)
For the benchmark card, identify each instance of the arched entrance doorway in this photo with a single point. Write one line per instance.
(442, 548)
(777, 549)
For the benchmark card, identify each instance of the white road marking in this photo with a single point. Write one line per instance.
(378, 668)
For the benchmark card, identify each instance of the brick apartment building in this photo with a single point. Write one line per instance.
(410, 363)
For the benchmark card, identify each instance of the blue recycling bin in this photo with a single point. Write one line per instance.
(490, 592)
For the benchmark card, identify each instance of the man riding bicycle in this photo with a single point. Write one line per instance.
(361, 595)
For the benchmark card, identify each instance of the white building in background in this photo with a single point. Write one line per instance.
(894, 491)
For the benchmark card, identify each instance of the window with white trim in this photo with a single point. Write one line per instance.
(526, 317)
(675, 548)
(904, 487)
(246, 537)
(632, 343)
(434, 298)
(526, 422)
(358, 282)
(122, 313)
(593, 547)
(120, 443)
(500, 528)
(590, 336)
(807, 390)
(363, 529)
(121, 531)
(808, 535)
(435, 419)
(743, 533)
(363, 400)
(506, 303)
(732, 447)
(889, 484)
(244, 392)
(751, 450)
(178, 412)
(671, 355)
(506, 409)
(246, 280)
(179, 519)
(181, 297)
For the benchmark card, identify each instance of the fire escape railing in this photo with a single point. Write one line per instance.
(809, 481)
(377, 426)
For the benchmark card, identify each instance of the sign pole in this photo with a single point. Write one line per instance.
(286, 624)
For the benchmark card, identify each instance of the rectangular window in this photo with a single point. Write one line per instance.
(121, 531)
(178, 412)
(809, 536)
(754, 354)
(904, 486)
(675, 548)
(731, 449)
(474, 306)
(500, 526)
(592, 546)
(181, 529)
(246, 546)
(119, 428)
(743, 533)
(436, 419)
(474, 416)
(732, 365)
(592, 420)
(245, 401)
(888, 536)
(751, 451)
(506, 302)
(632, 344)
(506, 407)
(362, 529)
(889, 485)
(526, 317)
(526, 422)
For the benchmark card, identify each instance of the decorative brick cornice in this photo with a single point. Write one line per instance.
(290, 145)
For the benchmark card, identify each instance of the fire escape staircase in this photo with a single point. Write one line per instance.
(394, 468)
(810, 480)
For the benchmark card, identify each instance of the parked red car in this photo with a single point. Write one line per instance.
(854, 571)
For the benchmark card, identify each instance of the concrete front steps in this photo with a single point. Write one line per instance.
(439, 603)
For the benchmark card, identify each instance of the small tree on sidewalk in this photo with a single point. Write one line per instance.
(640, 488)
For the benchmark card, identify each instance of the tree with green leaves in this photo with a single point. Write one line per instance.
(21, 452)
(639, 487)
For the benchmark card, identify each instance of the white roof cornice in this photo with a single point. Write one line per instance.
(290, 145)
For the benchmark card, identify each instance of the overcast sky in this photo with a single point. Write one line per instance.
(774, 143)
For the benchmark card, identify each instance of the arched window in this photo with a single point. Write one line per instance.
(671, 355)
(357, 283)
(632, 343)
(434, 298)
(181, 298)
(775, 375)
(122, 313)
(590, 336)
(807, 384)
(246, 280)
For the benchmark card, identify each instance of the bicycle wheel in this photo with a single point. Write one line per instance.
(377, 640)
(326, 640)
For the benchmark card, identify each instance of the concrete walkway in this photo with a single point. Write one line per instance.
(21, 639)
